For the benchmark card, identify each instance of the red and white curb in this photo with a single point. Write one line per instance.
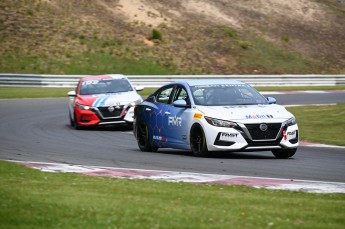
(319, 145)
(199, 178)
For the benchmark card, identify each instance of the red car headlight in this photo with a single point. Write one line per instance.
(83, 107)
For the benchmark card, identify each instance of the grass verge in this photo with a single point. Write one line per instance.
(32, 92)
(33, 199)
(324, 124)
(86, 63)
(260, 54)
(44, 92)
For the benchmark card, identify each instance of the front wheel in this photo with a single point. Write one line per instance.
(142, 135)
(198, 142)
(71, 122)
(284, 153)
(75, 123)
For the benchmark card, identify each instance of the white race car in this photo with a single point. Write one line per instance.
(214, 115)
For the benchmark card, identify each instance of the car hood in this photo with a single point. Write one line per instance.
(249, 113)
(111, 99)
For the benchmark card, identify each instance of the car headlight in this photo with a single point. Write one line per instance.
(132, 104)
(83, 107)
(291, 121)
(220, 123)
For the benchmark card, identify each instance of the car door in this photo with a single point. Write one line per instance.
(157, 113)
(177, 120)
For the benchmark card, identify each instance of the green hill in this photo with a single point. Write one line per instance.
(172, 37)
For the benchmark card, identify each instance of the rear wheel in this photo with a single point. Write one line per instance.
(143, 140)
(284, 153)
(198, 142)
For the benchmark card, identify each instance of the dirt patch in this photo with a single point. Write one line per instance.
(302, 10)
(212, 12)
(140, 11)
(147, 41)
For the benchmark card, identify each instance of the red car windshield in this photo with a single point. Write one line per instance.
(104, 86)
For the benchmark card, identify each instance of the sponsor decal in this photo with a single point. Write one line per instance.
(159, 138)
(219, 85)
(175, 121)
(227, 136)
(291, 133)
(106, 100)
(198, 115)
(89, 82)
(237, 106)
(257, 116)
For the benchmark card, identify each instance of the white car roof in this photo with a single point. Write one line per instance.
(116, 76)
(213, 82)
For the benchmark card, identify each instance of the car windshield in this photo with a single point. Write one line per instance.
(104, 86)
(226, 94)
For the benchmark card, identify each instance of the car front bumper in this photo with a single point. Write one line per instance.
(246, 138)
(95, 116)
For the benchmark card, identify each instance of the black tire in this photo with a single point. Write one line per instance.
(142, 136)
(284, 153)
(130, 126)
(198, 142)
(71, 122)
(75, 123)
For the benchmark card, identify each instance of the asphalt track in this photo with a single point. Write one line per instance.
(38, 130)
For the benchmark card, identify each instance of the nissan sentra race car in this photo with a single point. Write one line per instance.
(214, 115)
(103, 100)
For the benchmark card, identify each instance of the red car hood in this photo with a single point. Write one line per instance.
(105, 100)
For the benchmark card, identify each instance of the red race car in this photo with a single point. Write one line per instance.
(103, 100)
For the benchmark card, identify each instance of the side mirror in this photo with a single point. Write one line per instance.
(180, 103)
(139, 88)
(271, 100)
(71, 93)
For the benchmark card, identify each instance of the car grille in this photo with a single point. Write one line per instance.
(110, 114)
(257, 134)
(265, 143)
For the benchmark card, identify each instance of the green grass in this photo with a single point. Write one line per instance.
(45, 92)
(324, 124)
(86, 63)
(260, 55)
(33, 92)
(33, 199)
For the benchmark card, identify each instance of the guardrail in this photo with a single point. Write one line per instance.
(34, 80)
